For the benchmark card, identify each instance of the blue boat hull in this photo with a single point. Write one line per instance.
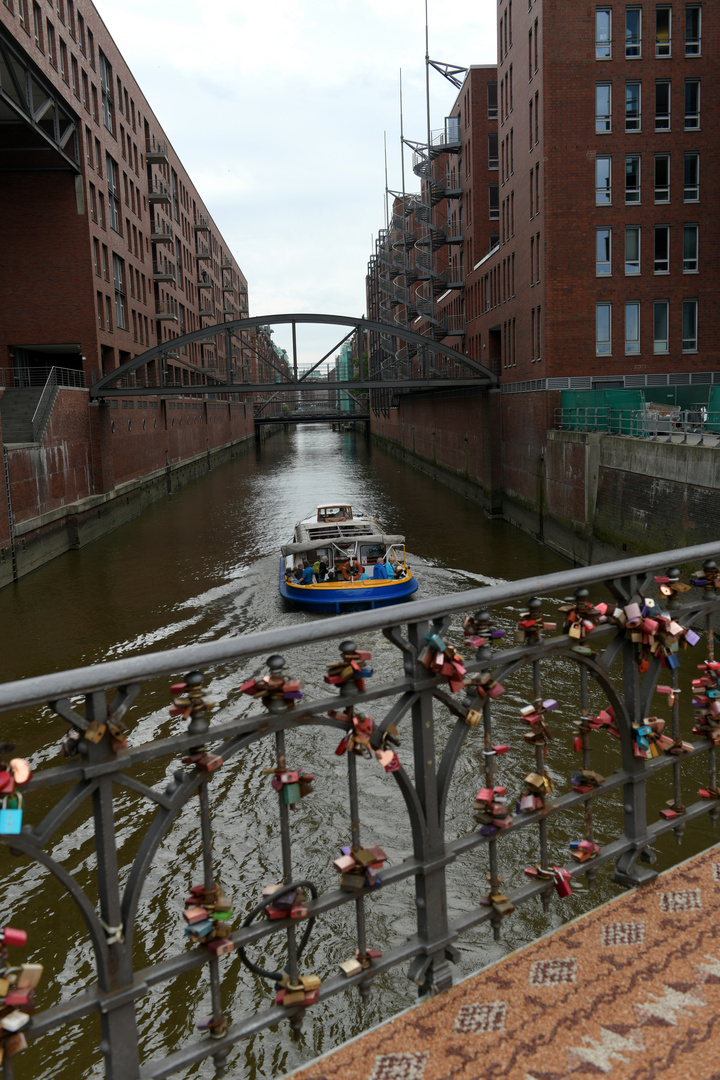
(335, 597)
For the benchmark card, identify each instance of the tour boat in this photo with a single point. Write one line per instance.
(357, 553)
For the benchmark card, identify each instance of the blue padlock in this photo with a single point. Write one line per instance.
(11, 817)
(435, 641)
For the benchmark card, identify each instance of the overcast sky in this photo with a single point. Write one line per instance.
(277, 109)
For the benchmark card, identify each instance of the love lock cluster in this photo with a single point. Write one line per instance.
(208, 913)
(13, 774)
(706, 701)
(358, 740)
(291, 905)
(276, 692)
(534, 715)
(358, 867)
(532, 798)
(17, 994)
(443, 660)
(478, 628)
(292, 784)
(351, 671)
(530, 626)
(491, 810)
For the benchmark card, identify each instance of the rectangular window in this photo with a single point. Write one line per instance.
(96, 256)
(632, 178)
(493, 150)
(93, 203)
(603, 190)
(100, 308)
(689, 325)
(537, 117)
(661, 261)
(91, 48)
(690, 249)
(532, 199)
(633, 33)
(692, 104)
(494, 200)
(632, 329)
(106, 92)
(663, 31)
(632, 106)
(603, 33)
(492, 102)
(662, 105)
(81, 33)
(113, 193)
(52, 47)
(662, 178)
(603, 344)
(119, 281)
(61, 10)
(85, 91)
(632, 249)
(71, 18)
(23, 15)
(691, 180)
(37, 26)
(88, 147)
(660, 326)
(692, 29)
(64, 61)
(602, 251)
(603, 116)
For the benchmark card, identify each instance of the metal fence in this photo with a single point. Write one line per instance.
(668, 425)
(39, 376)
(621, 641)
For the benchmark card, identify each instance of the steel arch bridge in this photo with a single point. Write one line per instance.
(427, 364)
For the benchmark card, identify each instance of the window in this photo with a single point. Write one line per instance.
(119, 280)
(113, 193)
(692, 104)
(662, 178)
(661, 263)
(71, 18)
(23, 15)
(532, 260)
(602, 251)
(633, 33)
(93, 202)
(91, 48)
(603, 33)
(81, 32)
(632, 249)
(494, 199)
(61, 10)
(52, 47)
(106, 91)
(530, 71)
(492, 101)
(602, 329)
(689, 325)
(662, 105)
(660, 326)
(535, 45)
(100, 310)
(532, 199)
(603, 118)
(692, 29)
(64, 61)
(691, 180)
(632, 329)
(96, 256)
(493, 150)
(88, 146)
(530, 124)
(86, 91)
(663, 31)
(690, 249)
(37, 26)
(632, 178)
(632, 106)
(537, 116)
(603, 191)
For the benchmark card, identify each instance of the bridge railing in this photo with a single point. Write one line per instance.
(623, 652)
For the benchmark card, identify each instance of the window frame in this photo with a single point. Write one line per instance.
(632, 344)
(663, 49)
(633, 44)
(629, 262)
(600, 43)
(664, 306)
(692, 116)
(696, 41)
(633, 121)
(661, 265)
(604, 233)
(690, 344)
(603, 120)
(666, 187)
(638, 189)
(663, 119)
(696, 186)
(608, 185)
(691, 263)
(603, 346)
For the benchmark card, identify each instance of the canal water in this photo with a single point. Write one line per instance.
(201, 565)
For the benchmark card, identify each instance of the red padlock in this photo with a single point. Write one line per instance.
(562, 881)
(10, 936)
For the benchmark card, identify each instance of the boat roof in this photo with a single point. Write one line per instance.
(311, 542)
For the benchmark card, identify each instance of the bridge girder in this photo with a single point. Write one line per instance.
(481, 376)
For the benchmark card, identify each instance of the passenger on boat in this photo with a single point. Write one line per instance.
(364, 576)
(379, 570)
(322, 570)
(308, 575)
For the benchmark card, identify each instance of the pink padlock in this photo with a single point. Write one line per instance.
(562, 881)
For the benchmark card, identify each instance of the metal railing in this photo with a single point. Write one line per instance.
(38, 376)
(615, 649)
(669, 425)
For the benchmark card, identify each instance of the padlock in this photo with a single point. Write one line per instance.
(11, 817)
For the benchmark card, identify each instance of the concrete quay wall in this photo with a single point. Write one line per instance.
(589, 496)
(99, 466)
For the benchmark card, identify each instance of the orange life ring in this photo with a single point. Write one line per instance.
(345, 572)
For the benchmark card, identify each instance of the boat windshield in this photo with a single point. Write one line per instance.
(334, 513)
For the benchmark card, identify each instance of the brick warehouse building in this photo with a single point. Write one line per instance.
(604, 272)
(108, 251)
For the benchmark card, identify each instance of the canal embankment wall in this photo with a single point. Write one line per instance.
(99, 465)
(588, 496)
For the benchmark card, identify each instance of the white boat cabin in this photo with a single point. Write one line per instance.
(348, 542)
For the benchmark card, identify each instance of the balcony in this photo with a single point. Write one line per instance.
(159, 191)
(201, 224)
(203, 253)
(166, 311)
(228, 312)
(163, 270)
(162, 234)
(204, 281)
(229, 288)
(156, 152)
(206, 306)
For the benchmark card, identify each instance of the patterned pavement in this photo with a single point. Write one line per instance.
(630, 991)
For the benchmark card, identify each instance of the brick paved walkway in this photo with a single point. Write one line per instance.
(630, 991)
